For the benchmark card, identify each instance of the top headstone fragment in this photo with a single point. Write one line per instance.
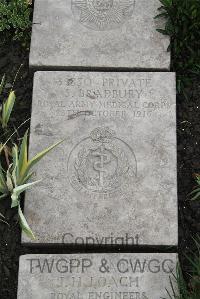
(78, 34)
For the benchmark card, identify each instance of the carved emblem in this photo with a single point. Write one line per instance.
(101, 163)
(102, 14)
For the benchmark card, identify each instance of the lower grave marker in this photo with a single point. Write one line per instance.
(96, 276)
(113, 180)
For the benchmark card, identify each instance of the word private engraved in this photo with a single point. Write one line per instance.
(101, 163)
(103, 15)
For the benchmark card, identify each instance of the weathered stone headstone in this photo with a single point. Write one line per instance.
(96, 276)
(113, 180)
(93, 34)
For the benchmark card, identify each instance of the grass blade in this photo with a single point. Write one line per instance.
(2, 220)
(2, 83)
(2, 146)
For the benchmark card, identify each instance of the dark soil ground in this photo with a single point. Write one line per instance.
(188, 134)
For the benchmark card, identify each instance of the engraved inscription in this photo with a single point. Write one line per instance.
(103, 15)
(102, 277)
(101, 163)
(106, 97)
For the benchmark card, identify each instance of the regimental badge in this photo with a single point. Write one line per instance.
(103, 14)
(101, 163)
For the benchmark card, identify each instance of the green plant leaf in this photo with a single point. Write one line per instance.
(163, 14)
(24, 224)
(18, 190)
(37, 158)
(9, 181)
(28, 177)
(15, 172)
(195, 191)
(197, 196)
(23, 156)
(162, 31)
(166, 2)
(7, 109)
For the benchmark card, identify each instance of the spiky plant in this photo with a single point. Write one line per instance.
(16, 178)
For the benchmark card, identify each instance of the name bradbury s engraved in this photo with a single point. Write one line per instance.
(105, 97)
(86, 278)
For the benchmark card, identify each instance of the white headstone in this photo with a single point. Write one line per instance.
(113, 179)
(98, 34)
(96, 276)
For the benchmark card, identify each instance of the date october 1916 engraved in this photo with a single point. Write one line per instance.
(102, 14)
(101, 163)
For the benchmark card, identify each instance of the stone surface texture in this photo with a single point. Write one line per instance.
(96, 276)
(98, 34)
(114, 177)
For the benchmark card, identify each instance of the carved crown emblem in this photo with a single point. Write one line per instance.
(102, 134)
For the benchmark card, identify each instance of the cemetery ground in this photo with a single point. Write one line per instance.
(14, 64)
(188, 132)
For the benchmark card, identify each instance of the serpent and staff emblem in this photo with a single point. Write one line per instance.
(103, 14)
(101, 163)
